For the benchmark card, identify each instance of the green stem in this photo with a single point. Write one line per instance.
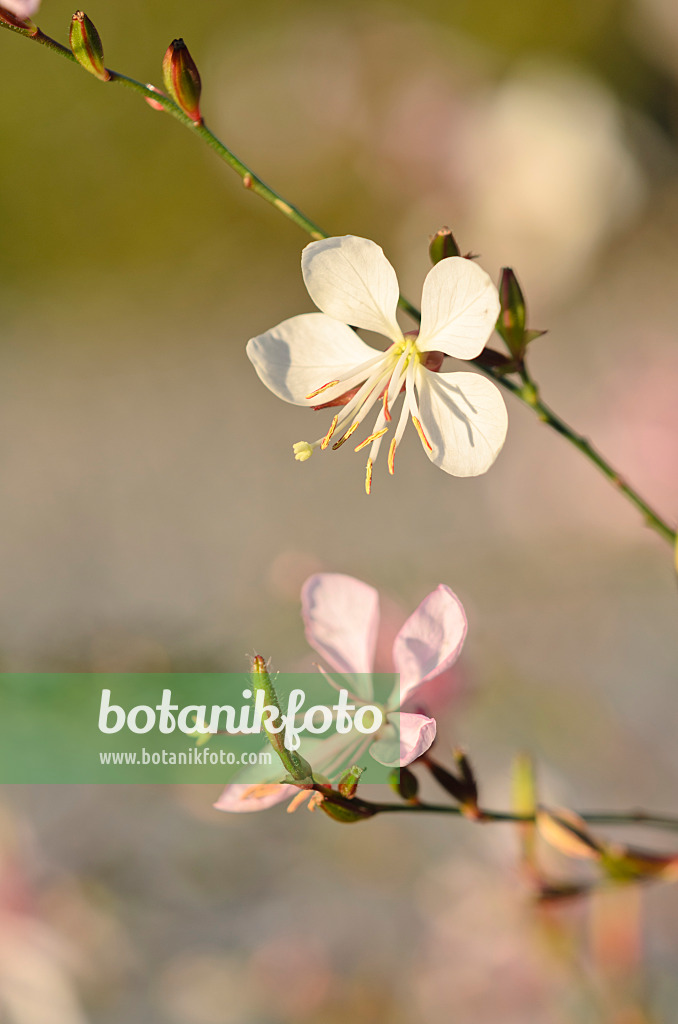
(526, 392)
(591, 817)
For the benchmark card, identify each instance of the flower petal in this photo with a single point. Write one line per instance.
(406, 738)
(464, 419)
(22, 8)
(301, 354)
(429, 643)
(235, 796)
(341, 615)
(459, 308)
(349, 278)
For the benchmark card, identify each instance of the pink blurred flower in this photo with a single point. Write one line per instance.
(21, 8)
(341, 615)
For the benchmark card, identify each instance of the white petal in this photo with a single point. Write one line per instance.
(301, 354)
(243, 798)
(341, 615)
(349, 278)
(464, 419)
(404, 739)
(459, 308)
(428, 644)
(22, 8)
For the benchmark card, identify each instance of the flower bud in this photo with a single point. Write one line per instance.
(87, 47)
(358, 811)
(462, 787)
(23, 25)
(442, 245)
(405, 783)
(568, 833)
(630, 863)
(348, 783)
(513, 316)
(299, 769)
(182, 79)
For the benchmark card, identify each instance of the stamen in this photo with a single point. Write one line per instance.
(298, 800)
(391, 457)
(368, 477)
(372, 437)
(338, 444)
(319, 391)
(422, 435)
(326, 439)
(259, 790)
(315, 800)
(387, 414)
(303, 450)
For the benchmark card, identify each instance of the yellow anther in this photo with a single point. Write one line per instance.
(319, 391)
(391, 457)
(387, 414)
(372, 437)
(326, 439)
(302, 451)
(422, 435)
(368, 477)
(338, 444)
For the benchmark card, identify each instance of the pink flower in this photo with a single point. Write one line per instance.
(21, 8)
(341, 615)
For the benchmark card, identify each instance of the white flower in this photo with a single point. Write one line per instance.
(460, 417)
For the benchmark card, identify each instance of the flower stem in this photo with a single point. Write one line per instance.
(525, 392)
(659, 821)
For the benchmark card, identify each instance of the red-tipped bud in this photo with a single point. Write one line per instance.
(513, 316)
(182, 79)
(87, 46)
(348, 783)
(442, 245)
(22, 24)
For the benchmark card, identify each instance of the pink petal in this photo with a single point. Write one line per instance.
(22, 8)
(233, 797)
(429, 642)
(414, 733)
(341, 615)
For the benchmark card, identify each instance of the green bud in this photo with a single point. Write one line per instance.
(182, 79)
(629, 863)
(298, 768)
(348, 783)
(513, 316)
(404, 783)
(358, 811)
(87, 46)
(442, 245)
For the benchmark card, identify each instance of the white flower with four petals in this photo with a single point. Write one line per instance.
(316, 359)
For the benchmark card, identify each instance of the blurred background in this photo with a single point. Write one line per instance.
(153, 517)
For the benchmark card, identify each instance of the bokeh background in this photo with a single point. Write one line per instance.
(154, 519)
